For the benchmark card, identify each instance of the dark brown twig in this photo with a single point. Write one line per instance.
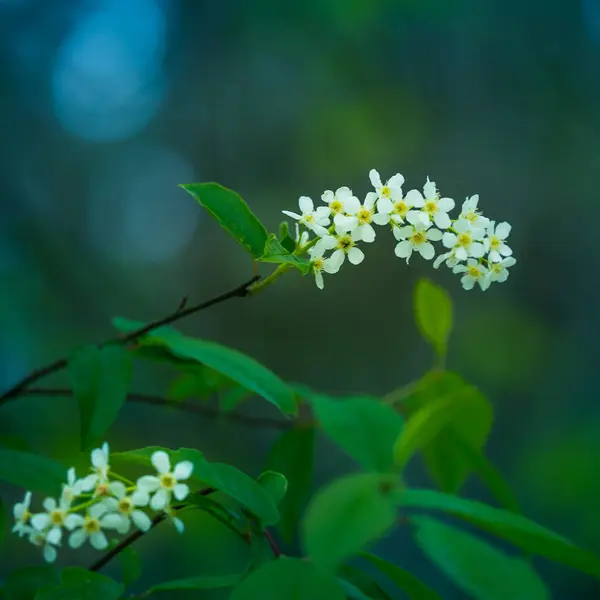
(191, 407)
(274, 547)
(61, 363)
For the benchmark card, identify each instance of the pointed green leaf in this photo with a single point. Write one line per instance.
(232, 213)
(293, 456)
(363, 582)
(32, 472)
(471, 423)
(22, 584)
(275, 484)
(288, 578)
(403, 579)
(82, 584)
(364, 427)
(100, 379)
(131, 565)
(433, 311)
(480, 570)
(286, 240)
(276, 253)
(203, 582)
(243, 369)
(239, 486)
(518, 530)
(348, 514)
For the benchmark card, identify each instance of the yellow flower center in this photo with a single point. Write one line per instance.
(418, 237)
(91, 525)
(345, 243)
(364, 215)
(495, 242)
(102, 490)
(309, 218)
(125, 505)
(57, 517)
(336, 206)
(474, 272)
(464, 240)
(318, 264)
(431, 207)
(167, 481)
(400, 208)
(25, 516)
(386, 192)
(471, 216)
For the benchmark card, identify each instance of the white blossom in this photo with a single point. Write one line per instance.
(73, 488)
(495, 242)
(53, 520)
(433, 208)
(340, 202)
(391, 190)
(498, 271)
(42, 539)
(315, 220)
(301, 239)
(360, 218)
(416, 237)
(167, 482)
(448, 257)
(472, 214)
(343, 244)
(395, 211)
(22, 515)
(124, 509)
(98, 480)
(318, 264)
(90, 527)
(474, 272)
(465, 242)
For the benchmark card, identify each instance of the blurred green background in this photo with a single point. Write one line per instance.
(107, 105)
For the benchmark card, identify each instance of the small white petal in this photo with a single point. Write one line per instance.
(98, 540)
(73, 520)
(351, 205)
(140, 498)
(396, 181)
(306, 204)
(178, 524)
(375, 178)
(503, 230)
(468, 282)
(99, 458)
(404, 249)
(435, 235)
(415, 198)
(367, 233)
(88, 483)
(183, 470)
(180, 491)
(49, 553)
(77, 538)
(460, 253)
(160, 500)
(54, 536)
(338, 257)
(477, 249)
(319, 280)
(97, 510)
(446, 204)
(161, 461)
(381, 218)
(356, 256)
(370, 199)
(118, 489)
(318, 229)
(148, 483)
(401, 233)
(49, 504)
(449, 239)
(429, 189)
(112, 521)
(141, 520)
(40, 521)
(385, 206)
(442, 220)
(294, 215)
(426, 250)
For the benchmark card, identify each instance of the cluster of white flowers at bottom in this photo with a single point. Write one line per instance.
(102, 501)
(474, 246)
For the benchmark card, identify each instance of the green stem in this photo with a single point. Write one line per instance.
(121, 478)
(267, 281)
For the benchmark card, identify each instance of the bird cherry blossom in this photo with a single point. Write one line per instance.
(474, 272)
(465, 241)
(342, 244)
(470, 213)
(315, 220)
(433, 208)
(126, 508)
(89, 527)
(391, 190)
(495, 242)
(360, 219)
(416, 237)
(340, 202)
(22, 515)
(42, 539)
(318, 264)
(498, 271)
(53, 520)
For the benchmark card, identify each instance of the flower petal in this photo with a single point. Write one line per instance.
(183, 469)
(435, 235)
(415, 198)
(426, 250)
(160, 500)
(477, 249)
(294, 215)
(49, 504)
(375, 178)
(99, 458)
(381, 218)
(367, 233)
(148, 483)
(98, 540)
(403, 249)
(351, 205)
(141, 520)
(356, 256)
(40, 521)
(161, 461)
(396, 181)
(442, 220)
(73, 520)
(449, 239)
(181, 491)
(306, 204)
(50, 553)
(77, 538)
(446, 204)
(319, 280)
(140, 498)
(503, 230)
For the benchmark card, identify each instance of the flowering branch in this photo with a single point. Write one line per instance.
(192, 407)
(61, 363)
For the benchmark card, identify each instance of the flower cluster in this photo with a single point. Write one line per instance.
(102, 501)
(473, 246)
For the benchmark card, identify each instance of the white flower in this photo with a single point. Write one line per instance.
(395, 211)
(311, 218)
(41, 539)
(416, 237)
(99, 478)
(168, 482)
(22, 516)
(73, 488)
(341, 202)
(177, 522)
(448, 257)
(359, 218)
(465, 242)
(53, 519)
(495, 241)
(470, 213)
(344, 244)
(498, 271)
(474, 273)
(125, 509)
(301, 239)
(318, 264)
(90, 527)
(433, 208)
(392, 190)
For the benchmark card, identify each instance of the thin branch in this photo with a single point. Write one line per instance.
(137, 534)
(61, 363)
(191, 407)
(274, 547)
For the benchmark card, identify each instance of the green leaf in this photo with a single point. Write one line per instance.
(2, 521)
(286, 240)
(203, 582)
(82, 584)
(276, 253)
(364, 427)
(232, 397)
(363, 582)
(288, 578)
(232, 213)
(191, 385)
(243, 369)
(22, 584)
(225, 516)
(433, 312)
(293, 456)
(353, 511)
(14, 442)
(403, 579)
(477, 568)
(32, 472)
(131, 565)
(471, 423)
(518, 530)
(275, 484)
(352, 591)
(100, 379)
(239, 486)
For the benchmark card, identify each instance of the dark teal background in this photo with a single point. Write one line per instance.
(105, 106)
